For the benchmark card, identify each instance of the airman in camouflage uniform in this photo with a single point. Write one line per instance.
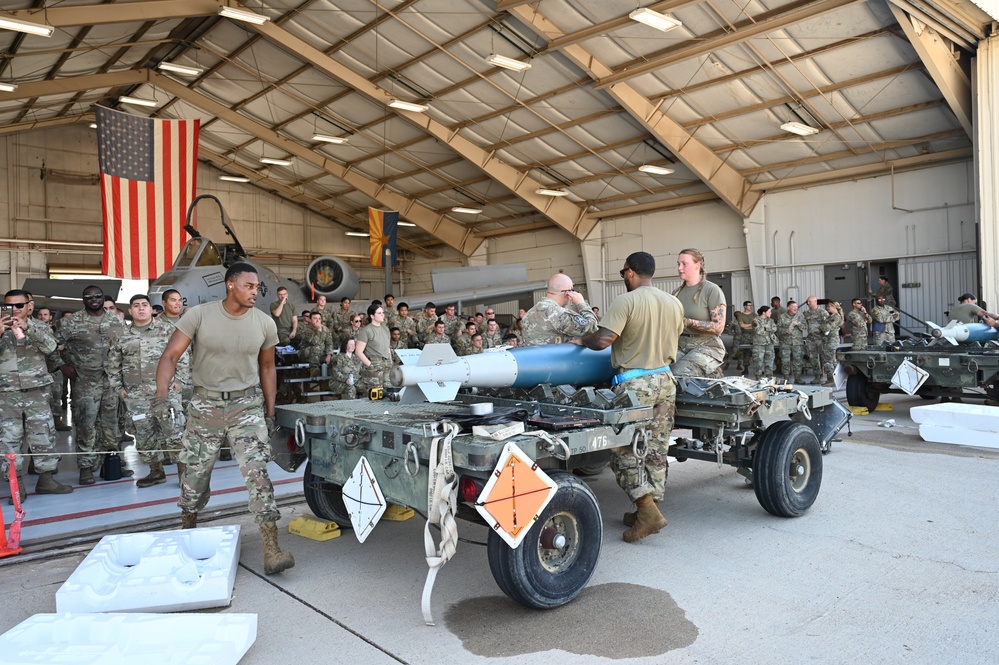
(132, 361)
(464, 341)
(390, 314)
(438, 336)
(341, 320)
(326, 314)
(493, 336)
(743, 335)
(475, 347)
(815, 318)
(425, 321)
(790, 332)
(25, 415)
(884, 317)
(858, 319)
(452, 323)
(558, 317)
(86, 337)
(764, 337)
(830, 340)
(315, 342)
(346, 371)
(406, 325)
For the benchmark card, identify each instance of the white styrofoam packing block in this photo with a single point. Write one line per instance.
(166, 571)
(962, 424)
(129, 639)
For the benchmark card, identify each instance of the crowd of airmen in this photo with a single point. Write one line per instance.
(103, 369)
(808, 338)
(359, 349)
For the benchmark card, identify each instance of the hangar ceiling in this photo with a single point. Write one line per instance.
(885, 84)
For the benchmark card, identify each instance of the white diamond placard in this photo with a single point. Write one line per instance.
(364, 499)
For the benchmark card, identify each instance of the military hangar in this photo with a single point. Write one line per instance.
(805, 146)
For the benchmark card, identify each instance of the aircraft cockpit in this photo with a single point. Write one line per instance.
(198, 252)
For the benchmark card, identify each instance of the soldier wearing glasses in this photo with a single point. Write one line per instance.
(558, 317)
(25, 415)
(87, 335)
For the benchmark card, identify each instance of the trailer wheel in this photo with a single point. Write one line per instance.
(787, 469)
(861, 392)
(558, 556)
(325, 499)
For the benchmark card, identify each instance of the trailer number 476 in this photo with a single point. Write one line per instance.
(599, 442)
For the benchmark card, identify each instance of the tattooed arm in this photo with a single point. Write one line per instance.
(713, 327)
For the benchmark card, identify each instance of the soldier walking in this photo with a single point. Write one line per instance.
(764, 336)
(235, 386)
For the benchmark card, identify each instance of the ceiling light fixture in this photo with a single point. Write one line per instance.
(544, 191)
(654, 19)
(93, 125)
(799, 128)
(467, 211)
(336, 140)
(8, 87)
(356, 234)
(407, 106)
(654, 170)
(275, 162)
(23, 26)
(405, 224)
(180, 69)
(508, 63)
(243, 15)
(138, 101)
(234, 178)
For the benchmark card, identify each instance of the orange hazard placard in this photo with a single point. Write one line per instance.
(517, 491)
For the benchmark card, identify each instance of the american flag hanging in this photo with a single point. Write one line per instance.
(148, 174)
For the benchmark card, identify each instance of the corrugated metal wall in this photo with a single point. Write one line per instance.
(941, 280)
(807, 281)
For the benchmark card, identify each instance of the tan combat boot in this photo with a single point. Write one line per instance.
(87, 476)
(648, 520)
(48, 485)
(274, 559)
(188, 520)
(156, 475)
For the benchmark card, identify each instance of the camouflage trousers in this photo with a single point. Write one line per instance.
(55, 393)
(859, 342)
(741, 339)
(763, 359)
(25, 416)
(813, 347)
(829, 355)
(699, 356)
(95, 417)
(635, 475)
(156, 440)
(238, 423)
(375, 375)
(791, 360)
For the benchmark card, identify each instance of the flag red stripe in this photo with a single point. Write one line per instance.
(168, 188)
(154, 232)
(132, 225)
(116, 224)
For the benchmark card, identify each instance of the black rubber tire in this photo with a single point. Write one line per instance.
(787, 469)
(594, 468)
(542, 578)
(860, 392)
(325, 499)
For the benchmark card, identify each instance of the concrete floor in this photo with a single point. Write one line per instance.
(895, 563)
